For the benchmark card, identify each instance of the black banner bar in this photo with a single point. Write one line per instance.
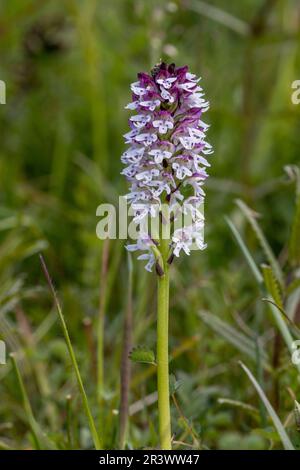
(143, 458)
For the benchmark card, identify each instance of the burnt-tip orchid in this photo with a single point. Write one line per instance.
(166, 160)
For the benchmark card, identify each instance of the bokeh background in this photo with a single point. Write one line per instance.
(68, 66)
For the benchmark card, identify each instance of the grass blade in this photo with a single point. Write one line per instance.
(220, 16)
(276, 421)
(280, 323)
(295, 284)
(262, 240)
(239, 404)
(272, 285)
(285, 332)
(86, 406)
(125, 360)
(234, 337)
(38, 437)
(255, 271)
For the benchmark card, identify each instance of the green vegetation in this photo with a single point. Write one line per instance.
(234, 308)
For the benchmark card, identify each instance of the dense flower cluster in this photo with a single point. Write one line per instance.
(166, 161)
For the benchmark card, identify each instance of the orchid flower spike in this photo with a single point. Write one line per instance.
(166, 160)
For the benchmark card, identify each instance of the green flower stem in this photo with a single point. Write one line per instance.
(162, 355)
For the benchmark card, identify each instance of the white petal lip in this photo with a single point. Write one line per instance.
(203, 125)
(187, 142)
(192, 77)
(189, 86)
(133, 247)
(146, 137)
(167, 96)
(207, 150)
(200, 159)
(132, 105)
(147, 175)
(143, 256)
(163, 125)
(140, 120)
(129, 136)
(181, 170)
(166, 82)
(162, 153)
(138, 90)
(132, 153)
(140, 117)
(151, 105)
(197, 133)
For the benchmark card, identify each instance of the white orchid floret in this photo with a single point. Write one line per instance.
(142, 210)
(193, 207)
(167, 82)
(144, 243)
(164, 122)
(140, 120)
(133, 155)
(147, 176)
(160, 155)
(150, 105)
(186, 238)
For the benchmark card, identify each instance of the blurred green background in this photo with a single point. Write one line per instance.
(67, 66)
